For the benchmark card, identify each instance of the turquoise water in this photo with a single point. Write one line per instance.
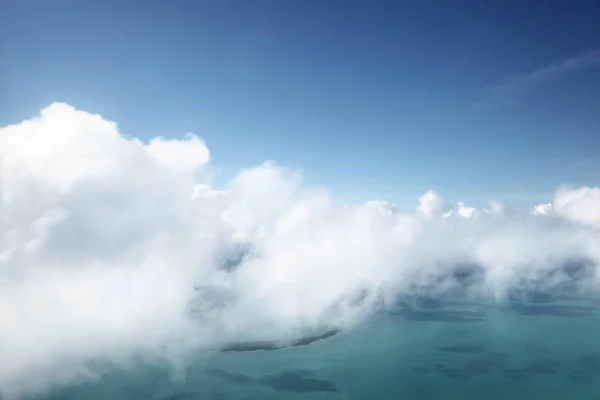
(546, 349)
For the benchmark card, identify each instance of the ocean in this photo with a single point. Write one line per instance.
(543, 347)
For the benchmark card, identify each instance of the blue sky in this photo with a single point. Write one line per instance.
(378, 99)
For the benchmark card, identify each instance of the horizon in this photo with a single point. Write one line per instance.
(239, 200)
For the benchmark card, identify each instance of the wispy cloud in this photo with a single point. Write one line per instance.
(516, 86)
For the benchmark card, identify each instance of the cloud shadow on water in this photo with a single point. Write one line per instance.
(451, 316)
(468, 349)
(292, 381)
(182, 396)
(230, 376)
(528, 371)
(584, 368)
(587, 368)
(429, 303)
(552, 310)
(296, 381)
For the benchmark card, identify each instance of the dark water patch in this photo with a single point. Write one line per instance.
(420, 370)
(531, 296)
(590, 363)
(64, 394)
(539, 298)
(577, 298)
(442, 316)
(552, 310)
(463, 349)
(528, 371)
(517, 375)
(182, 396)
(251, 346)
(452, 372)
(291, 381)
(536, 349)
(485, 363)
(462, 304)
(429, 303)
(578, 270)
(402, 304)
(566, 276)
(544, 366)
(424, 302)
(468, 274)
(277, 344)
(230, 376)
(582, 376)
(482, 363)
(311, 339)
(299, 371)
(585, 368)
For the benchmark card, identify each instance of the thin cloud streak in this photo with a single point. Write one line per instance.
(520, 85)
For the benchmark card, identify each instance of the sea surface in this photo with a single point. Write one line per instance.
(538, 347)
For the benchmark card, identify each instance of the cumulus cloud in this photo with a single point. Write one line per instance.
(542, 209)
(465, 211)
(579, 204)
(430, 204)
(179, 155)
(112, 251)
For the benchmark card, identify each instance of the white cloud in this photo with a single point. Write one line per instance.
(430, 204)
(496, 209)
(179, 155)
(103, 239)
(579, 204)
(542, 209)
(465, 211)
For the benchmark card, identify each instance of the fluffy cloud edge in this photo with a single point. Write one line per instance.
(104, 237)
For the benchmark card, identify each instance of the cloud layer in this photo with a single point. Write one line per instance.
(112, 251)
